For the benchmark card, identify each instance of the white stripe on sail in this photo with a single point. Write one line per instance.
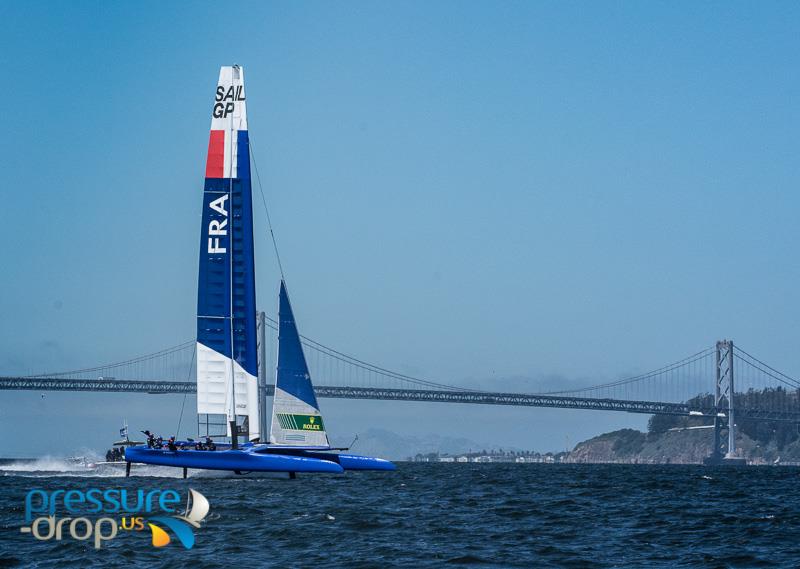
(214, 388)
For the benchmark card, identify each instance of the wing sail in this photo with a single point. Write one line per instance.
(226, 298)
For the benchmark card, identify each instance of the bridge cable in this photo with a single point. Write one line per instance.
(649, 375)
(342, 357)
(791, 381)
(137, 359)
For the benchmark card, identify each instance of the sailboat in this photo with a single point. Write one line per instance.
(227, 358)
(197, 507)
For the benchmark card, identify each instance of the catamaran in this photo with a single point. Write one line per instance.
(227, 352)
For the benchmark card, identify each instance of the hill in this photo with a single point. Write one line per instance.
(688, 440)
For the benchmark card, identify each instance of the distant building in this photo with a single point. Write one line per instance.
(493, 456)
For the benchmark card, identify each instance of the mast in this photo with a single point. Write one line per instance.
(234, 430)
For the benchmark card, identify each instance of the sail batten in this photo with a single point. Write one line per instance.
(227, 360)
(296, 418)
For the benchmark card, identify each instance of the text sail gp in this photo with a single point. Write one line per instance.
(225, 100)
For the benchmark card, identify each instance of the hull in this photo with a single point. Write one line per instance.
(235, 460)
(358, 462)
(346, 461)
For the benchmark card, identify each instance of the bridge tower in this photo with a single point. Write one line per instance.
(724, 450)
(261, 322)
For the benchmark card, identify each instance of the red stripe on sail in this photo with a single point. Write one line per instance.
(215, 164)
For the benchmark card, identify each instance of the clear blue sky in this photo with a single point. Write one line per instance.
(490, 193)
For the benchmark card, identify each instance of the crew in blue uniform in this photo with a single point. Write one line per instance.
(151, 439)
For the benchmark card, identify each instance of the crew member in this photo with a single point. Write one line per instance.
(151, 439)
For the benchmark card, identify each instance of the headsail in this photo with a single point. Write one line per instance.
(226, 298)
(296, 419)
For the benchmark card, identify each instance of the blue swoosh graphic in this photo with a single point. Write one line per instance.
(179, 528)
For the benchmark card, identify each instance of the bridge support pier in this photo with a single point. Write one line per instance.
(262, 376)
(724, 451)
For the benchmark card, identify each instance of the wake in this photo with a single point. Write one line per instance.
(90, 465)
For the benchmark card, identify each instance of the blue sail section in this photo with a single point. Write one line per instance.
(293, 376)
(225, 281)
(245, 349)
(213, 284)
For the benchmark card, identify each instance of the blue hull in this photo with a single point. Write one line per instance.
(347, 461)
(358, 462)
(242, 460)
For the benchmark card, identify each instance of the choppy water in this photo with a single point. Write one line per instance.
(493, 515)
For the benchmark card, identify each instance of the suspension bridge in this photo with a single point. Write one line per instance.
(722, 384)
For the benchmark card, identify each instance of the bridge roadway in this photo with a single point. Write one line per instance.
(390, 394)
